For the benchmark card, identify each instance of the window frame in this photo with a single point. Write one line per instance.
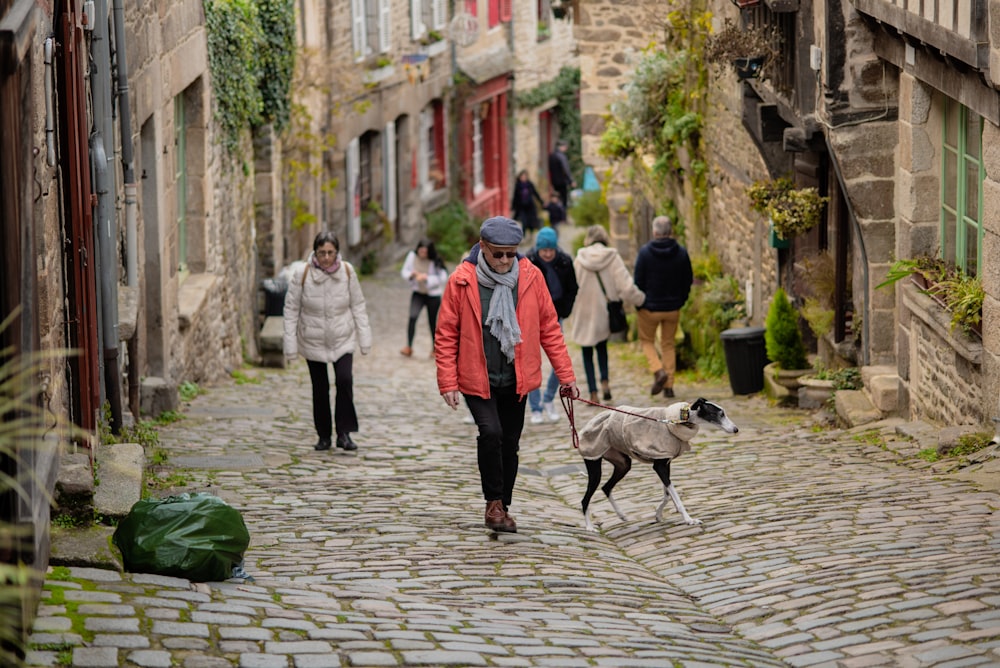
(958, 210)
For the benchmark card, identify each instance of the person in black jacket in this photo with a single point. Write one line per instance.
(557, 267)
(663, 272)
(522, 203)
(560, 175)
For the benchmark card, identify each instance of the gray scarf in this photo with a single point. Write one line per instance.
(501, 319)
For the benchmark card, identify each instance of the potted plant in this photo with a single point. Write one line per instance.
(783, 341)
(924, 270)
(560, 10)
(790, 210)
(749, 49)
(963, 296)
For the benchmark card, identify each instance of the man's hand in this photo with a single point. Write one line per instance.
(451, 398)
(569, 390)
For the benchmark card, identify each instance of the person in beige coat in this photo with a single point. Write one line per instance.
(325, 320)
(589, 322)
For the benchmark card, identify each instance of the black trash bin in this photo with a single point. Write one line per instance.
(274, 295)
(746, 357)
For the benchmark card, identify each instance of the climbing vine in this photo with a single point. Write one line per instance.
(661, 115)
(277, 56)
(251, 57)
(564, 88)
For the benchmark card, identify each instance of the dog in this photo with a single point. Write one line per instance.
(653, 435)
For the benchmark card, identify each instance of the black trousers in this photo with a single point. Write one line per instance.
(500, 420)
(418, 301)
(344, 415)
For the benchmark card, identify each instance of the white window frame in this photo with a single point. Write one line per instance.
(384, 26)
(478, 168)
(353, 167)
(439, 14)
(417, 27)
(424, 151)
(359, 29)
(389, 167)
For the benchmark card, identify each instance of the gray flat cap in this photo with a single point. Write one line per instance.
(501, 231)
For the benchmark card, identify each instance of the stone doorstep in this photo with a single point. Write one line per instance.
(854, 408)
(119, 470)
(883, 390)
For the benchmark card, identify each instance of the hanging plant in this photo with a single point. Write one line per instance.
(790, 210)
(750, 49)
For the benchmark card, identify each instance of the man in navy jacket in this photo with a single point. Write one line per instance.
(663, 272)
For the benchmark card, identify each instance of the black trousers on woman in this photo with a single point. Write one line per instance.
(500, 420)
(344, 416)
(418, 301)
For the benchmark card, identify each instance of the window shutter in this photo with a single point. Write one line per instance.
(493, 13)
(506, 10)
(439, 14)
(423, 150)
(472, 7)
(353, 192)
(389, 180)
(440, 144)
(384, 26)
(359, 29)
(416, 19)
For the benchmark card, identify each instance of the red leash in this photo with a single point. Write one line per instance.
(567, 403)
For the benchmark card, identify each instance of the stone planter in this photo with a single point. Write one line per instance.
(788, 378)
(379, 74)
(814, 393)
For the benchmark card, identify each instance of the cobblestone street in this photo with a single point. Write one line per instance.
(817, 548)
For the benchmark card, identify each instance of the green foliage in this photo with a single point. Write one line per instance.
(452, 230)
(971, 443)
(188, 390)
(303, 161)
(277, 59)
(791, 210)
(715, 302)
(243, 378)
(168, 417)
(234, 45)
(590, 209)
(564, 89)
(782, 337)
(144, 433)
(963, 296)
(848, 378)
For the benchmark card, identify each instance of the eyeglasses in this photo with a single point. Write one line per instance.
(324, 253)
(500, 254)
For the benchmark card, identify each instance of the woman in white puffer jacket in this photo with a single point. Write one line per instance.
(325, 319)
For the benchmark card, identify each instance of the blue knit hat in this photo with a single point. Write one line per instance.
(501, 231)
(546, 238)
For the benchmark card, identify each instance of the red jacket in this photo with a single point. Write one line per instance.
(458, 340)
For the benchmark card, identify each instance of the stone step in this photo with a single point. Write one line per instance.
(272, 346)
(854, 408)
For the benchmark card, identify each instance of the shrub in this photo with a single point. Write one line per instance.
(590, 209)
(782, 336)
(453, 231)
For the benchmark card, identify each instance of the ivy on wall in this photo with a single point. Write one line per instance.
(662, 116)
(251, 58)
(565, 89)
(277, 67)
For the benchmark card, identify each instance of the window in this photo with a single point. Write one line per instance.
(365, 171)
(472, 7)
(180, 180)
(962, 176)
(384, 26)
(359, 29)
(478, 184)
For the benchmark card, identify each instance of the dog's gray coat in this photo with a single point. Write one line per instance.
(644, 439)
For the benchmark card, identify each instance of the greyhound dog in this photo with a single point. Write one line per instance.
(654, 435)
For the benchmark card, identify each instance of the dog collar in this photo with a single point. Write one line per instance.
(684, 418)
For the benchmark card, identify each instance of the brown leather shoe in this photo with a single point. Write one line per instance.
(406, 351)
(497, 518)
(659, 380)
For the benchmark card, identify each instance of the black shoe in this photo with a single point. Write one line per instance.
(668, 392)
(344, 441)
(323, 444)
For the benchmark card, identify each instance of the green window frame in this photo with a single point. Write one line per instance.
(962, 176)
(180, 180)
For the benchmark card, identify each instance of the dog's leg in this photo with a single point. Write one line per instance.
(622, 464)
(662, 468)
(593, 480)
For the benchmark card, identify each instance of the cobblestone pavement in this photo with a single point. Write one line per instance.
(818, 548)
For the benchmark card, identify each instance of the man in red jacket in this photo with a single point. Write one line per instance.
(496, 316)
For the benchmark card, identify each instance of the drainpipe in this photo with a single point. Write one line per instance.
(865, 320)
(128, 168)
(102, 138)
(50, 117)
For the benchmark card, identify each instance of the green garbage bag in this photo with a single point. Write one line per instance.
(194, 536)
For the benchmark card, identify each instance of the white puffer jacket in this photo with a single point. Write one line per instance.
(325, 316)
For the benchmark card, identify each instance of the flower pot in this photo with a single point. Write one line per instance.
(749, 67)
(790, 378)
(775, 240)
(814, 393)
(559, 11)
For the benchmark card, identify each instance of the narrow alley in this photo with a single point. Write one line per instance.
(817, 548)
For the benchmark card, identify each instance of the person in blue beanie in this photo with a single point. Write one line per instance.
(557, 267)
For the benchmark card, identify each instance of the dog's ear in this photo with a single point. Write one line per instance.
(698, 403)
